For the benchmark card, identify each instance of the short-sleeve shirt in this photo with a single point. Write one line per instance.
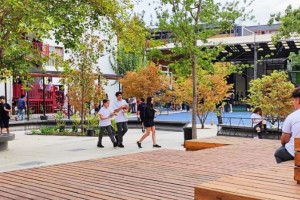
(21, 103)
(121, 116)
(105, 112)
(291, 125)
(257, 118)
(5, 114)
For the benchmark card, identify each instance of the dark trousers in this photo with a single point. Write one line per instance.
(282, 155)
(263, 127)
(107, 129)
(122, 129)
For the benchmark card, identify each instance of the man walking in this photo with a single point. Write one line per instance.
(105, 116)
(21, 105)
(121, 108)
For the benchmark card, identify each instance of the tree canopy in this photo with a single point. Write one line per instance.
(212, 88)
(273, 94)
(22, 22)
(190, 23)
(144, 82)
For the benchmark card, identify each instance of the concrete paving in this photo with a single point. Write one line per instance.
(28, 151)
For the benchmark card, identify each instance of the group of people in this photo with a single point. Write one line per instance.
(119, 111)
(290, 129)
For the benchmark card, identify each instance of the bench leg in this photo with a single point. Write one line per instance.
(3, 146)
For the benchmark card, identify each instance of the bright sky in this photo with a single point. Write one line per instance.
(261, 9)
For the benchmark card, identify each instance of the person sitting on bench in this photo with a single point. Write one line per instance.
(258, 122)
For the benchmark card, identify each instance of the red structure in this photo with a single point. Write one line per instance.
(36, 97)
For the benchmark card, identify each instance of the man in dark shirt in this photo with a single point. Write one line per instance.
(21, 105)
(5, 109)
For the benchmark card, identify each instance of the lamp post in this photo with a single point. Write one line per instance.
(255, 49)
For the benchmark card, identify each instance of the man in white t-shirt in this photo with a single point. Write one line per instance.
(105, 116)
(121, 108)
(290, 130)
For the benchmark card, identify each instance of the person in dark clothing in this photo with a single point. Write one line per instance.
(5, 109)
(140, 112)
(149, 114)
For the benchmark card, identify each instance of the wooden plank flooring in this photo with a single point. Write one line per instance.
(162, 174)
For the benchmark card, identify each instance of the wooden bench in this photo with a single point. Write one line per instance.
(273, 182)
(4, 138)
(297, 160)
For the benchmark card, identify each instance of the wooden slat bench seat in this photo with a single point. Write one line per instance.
(158, 175)
(274, 182)
(200, 144)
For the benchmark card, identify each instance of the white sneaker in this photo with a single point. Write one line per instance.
(256, 137)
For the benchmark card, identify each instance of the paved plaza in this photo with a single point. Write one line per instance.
(28, 151)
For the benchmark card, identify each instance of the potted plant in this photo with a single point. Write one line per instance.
(60, 123)
(76, 122)
(92, 123)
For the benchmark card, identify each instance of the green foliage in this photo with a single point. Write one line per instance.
(92, 121)
(59, 118)
(295, 60)
(80, 75)
(22, 22)
(44, 130)
(123, 62)
(273, 94)
(114, 124)
(289, 23)
(75, 120)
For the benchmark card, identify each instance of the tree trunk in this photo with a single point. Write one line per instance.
(195, 103)
(82, 103)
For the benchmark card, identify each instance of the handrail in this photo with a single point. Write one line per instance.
(247, 122)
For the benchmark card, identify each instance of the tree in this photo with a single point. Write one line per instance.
(273, 94)
(289, 26)
(80, 76)
(28, 21)
(190, 23)
(132, 45)
(289, 23)
(212, 88)
(124, 62)
(144, 82)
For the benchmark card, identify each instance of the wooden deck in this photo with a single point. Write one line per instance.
(161, 174)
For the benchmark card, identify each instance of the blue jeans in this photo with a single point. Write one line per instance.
(282, 155)
(20, 114)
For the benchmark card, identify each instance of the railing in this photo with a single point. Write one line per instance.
(236, 126)
(247, 122)
(52, 97)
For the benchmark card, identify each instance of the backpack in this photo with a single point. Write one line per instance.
(142, 111)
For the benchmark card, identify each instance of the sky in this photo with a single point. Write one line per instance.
(262, 9)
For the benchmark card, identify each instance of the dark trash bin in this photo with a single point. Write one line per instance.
(187, 133)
